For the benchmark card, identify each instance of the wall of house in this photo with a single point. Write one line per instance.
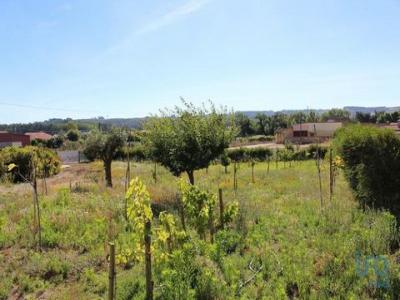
(12, 139)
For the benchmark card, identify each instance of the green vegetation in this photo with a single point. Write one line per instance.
(47, 161)
(188, 138)
(104, 146)
(260, 231)
(279, 245)
(372, 165)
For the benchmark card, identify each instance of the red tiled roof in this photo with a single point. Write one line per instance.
(39, 135)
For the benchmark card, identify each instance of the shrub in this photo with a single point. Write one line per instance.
(73, 135)
(314, 149)
(237, 154)
(137, 152)
(371, 159)
(47, 160)
(246, 154)
(258, 153)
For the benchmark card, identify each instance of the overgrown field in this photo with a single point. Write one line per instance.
(281, 245)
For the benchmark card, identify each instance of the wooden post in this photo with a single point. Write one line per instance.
(111, 273)
(318, 163)
(330, 175)
(252, 171)
(181, 211)
(211, 225)
(37, 206)
(234, 176)
(155, 172)
(147, 256)
(221, 208)
(268, 165)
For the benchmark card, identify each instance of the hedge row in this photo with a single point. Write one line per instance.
(371, 159)
(137, 152)
(47, 162)
(262, 154)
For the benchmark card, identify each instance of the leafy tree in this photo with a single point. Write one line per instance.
(55, 142)
(263, 122)
(365, 117)
(73, 135)
(104, 146)
(298, 118)
(371, 159)
(244, 123)
(189, 138)
(385, 117)
(336, 114)
(312, 117)
(278, 120)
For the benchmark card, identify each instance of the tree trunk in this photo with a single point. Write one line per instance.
(191, 176)
(107, 170)
(226, 169)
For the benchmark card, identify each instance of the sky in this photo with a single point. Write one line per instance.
(125, 58)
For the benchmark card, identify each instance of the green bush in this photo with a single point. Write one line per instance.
(73, 135)
(314, 149)
(258, 153)
(47, 161)
(137, 152)
(237, 154)
(371, 159)
(246, 154)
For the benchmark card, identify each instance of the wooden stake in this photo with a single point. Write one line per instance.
(318, 163)
(111, 273)
(147, 256)
(252, 171)
(221, 208)
(330, 175)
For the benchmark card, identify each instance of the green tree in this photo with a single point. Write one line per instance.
(244, 123)
(189, 138)
(73, 135)
(312, 117)
(263, 122)
(104, 146)
(336, 114)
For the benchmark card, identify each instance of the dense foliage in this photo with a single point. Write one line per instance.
(45, 160)
(189, 138)
(372, 165)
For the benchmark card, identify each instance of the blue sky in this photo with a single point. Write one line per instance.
(125, 58)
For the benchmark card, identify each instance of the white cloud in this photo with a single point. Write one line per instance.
(186, 9)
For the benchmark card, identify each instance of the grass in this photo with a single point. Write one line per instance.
(297, 248)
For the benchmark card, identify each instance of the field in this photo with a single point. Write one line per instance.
(282, 244)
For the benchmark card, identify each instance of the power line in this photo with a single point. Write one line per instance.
(45, 108)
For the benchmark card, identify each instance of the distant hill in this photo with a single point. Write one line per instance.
(354, 109)
(55, 125)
